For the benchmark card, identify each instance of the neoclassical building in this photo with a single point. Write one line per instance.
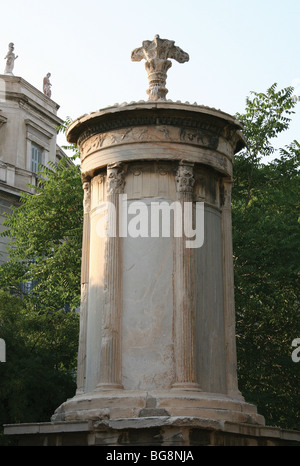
(28, 137)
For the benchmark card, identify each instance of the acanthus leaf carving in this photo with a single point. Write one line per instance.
(115, 179)
(185, 178)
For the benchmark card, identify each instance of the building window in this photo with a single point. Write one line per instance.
(36, 157)
(27, 287)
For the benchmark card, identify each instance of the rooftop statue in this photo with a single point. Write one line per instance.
(10, 59)
(47, 85)
(156, 53)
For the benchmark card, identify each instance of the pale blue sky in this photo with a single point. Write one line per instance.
(234, 47)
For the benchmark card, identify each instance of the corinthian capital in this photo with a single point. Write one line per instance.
(185, 178)
(115, 179)
(86, 196)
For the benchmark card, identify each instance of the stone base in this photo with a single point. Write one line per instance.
(172, 418)
(119, 404)
(156, 432)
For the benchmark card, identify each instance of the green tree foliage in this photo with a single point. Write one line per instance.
(47, 232)
(266, 258)
(38, 374)
(71, 148)
(40, 325)
(266, 116)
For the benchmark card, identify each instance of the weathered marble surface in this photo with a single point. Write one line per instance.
(159, 345)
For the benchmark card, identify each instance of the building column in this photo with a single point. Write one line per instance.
(228, 291)
(184, 291)
(111, 341)
(81, 369)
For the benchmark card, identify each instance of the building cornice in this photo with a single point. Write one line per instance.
(27, 96)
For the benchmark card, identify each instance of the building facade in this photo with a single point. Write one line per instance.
(28, 133)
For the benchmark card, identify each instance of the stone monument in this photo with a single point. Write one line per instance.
(157, 351)
(157, 318)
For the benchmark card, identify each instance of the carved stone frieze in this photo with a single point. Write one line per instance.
(164, 133)
(149, 126)
(199, 137)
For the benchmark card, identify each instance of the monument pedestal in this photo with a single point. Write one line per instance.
(124, 404)
(155, 432)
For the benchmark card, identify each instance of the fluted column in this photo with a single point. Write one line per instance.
(184, 292)
(228, 291)
(81, 366)
(111, 358)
